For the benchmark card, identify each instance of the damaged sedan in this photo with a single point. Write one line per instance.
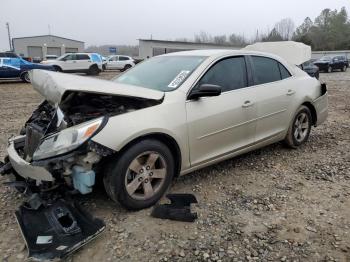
(168, 116)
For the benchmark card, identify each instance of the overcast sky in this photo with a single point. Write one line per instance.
(124, 21)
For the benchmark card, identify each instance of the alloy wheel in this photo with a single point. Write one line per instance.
(145, 175)
(301, 127)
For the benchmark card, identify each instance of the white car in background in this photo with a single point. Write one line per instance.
(120, 62)
(89, 63)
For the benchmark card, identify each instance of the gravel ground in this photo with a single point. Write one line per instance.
(273, 204)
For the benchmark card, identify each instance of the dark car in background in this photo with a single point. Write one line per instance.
(310, 68)
(13, 66)
(329, 63)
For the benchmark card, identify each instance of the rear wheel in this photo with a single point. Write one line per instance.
(344, 68)
(25, 77)
(126, 67)
(140, 176)
(300, 128)
(93, 70)
(330, 69)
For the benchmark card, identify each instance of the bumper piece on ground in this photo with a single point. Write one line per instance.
(179, 209)
(22, 167)
(57, 230)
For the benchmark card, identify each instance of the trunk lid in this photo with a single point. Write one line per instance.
(53, 85)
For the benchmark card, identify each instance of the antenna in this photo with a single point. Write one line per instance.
(8, 32)
(49, 27)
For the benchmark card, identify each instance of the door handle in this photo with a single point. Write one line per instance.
(290, 92)
(247, 104)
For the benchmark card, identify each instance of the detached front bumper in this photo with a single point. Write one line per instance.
(22, 167)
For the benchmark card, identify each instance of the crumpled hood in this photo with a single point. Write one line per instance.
(53, 85)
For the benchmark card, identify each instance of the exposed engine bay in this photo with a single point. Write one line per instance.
(77, 167)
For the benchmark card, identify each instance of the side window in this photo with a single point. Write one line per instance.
(82, 57)
(69, 57)
(114, 58)
(123, 58)
(284, 72)
(266, 70)
(230, 74)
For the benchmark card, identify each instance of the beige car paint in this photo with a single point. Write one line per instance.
(206, 130)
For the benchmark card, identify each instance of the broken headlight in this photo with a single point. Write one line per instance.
(67, 140)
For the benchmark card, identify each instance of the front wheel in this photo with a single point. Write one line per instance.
(330, 69)
(139, 177)
(300, 128)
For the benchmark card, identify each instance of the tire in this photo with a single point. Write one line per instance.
(93, 70)
(25, 77)
(329, 69)
(120, 173)
(344, 68)
(57, 68)
(104, 68)
(126, 67)
(298, 133)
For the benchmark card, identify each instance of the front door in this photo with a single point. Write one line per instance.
(112, 62)
(69, 62)
(226, 123)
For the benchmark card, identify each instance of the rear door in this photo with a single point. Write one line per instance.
(274, 93)
(223, 124)
(123, 60)
(83, 61)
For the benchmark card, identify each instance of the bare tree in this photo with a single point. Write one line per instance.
(237, 40)
(220, 39)
(285, 28)
(203, 37)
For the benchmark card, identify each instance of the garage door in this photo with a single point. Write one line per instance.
(35, 51)
(71, 50)
(54, 51)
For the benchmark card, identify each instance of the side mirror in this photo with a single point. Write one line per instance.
(205, 90)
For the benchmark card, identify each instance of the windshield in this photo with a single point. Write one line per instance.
(326, 58)
(164, 73)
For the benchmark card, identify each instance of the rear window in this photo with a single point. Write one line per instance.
(266, 70)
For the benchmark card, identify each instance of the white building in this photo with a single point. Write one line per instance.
(149, 47)
(40, 46)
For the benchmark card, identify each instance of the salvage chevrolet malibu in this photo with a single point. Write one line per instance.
(168, 116)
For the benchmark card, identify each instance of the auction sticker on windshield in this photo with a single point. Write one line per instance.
(178, 79)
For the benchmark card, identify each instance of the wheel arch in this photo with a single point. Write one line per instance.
(23, 72)
(312, 109)
(57, 67)
(168, 140)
